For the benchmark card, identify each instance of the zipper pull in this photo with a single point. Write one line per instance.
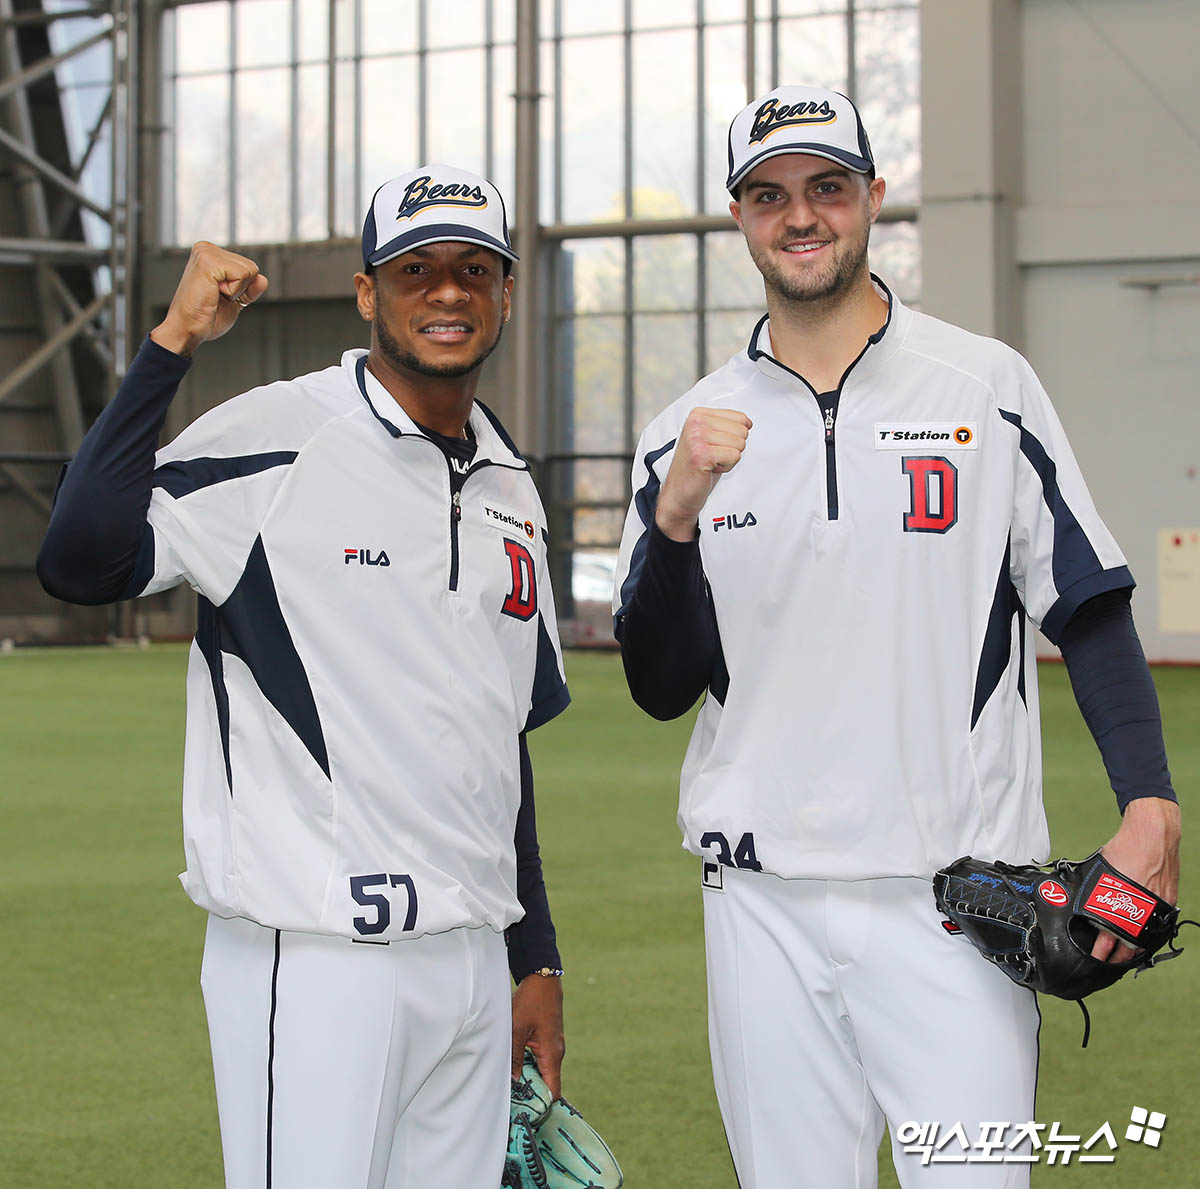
(828, 426)
(456, 500)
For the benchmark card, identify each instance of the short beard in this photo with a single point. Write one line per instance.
(837, 284)
(407, 361)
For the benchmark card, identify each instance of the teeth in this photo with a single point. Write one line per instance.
(803, 247)
(444, 329)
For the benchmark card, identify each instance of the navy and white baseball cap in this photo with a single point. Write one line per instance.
(797, 120)
(432, 204)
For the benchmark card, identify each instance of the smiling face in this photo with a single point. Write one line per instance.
(437, 311)
(807, 221)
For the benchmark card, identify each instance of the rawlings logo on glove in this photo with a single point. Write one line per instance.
(1040, 930)
(550, 1144)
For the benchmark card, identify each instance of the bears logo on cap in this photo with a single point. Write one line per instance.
(771, 117)
(423, 192)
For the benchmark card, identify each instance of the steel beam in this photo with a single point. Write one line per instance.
(19, 483)
(66, 208)
(525, 210)
(32, 199)
(20, 250)
(90, 335)
(60, 179)
(683, 225)
(46, 18)
(31, 74)
(49, 349)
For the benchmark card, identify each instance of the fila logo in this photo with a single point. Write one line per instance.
(771, 117)
(732, 521)
(424, 192)
(364, 557)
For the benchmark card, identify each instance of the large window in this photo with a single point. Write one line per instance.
(643, 93)
(287, 114)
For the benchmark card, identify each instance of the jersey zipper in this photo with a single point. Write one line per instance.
(455, 517)
(828, 403)
(457, 479)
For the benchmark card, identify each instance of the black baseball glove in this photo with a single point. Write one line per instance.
(1038, 923)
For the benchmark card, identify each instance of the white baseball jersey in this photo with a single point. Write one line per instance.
(876, 711)
(376, 628)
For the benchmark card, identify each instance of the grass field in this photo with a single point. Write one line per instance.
(104, 1070)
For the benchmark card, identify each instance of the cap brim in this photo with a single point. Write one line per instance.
(841, 156)
(437, 233)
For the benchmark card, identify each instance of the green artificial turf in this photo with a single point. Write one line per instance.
(104, 1069)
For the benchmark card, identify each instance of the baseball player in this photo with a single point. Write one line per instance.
(376, 636)
(839, 538)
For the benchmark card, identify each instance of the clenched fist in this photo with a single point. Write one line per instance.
(215, 287)
(709, 444)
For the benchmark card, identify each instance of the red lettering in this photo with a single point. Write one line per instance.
(933, 492)
(521, 602)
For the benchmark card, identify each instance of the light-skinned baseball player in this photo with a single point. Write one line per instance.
(376, 635)
(839, 538)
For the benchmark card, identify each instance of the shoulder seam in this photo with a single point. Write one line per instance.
(954, 368)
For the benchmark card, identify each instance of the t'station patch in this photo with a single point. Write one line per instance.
(945, 435)
(507, 520)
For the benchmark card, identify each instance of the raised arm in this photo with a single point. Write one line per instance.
(98, 547)
(665, 623)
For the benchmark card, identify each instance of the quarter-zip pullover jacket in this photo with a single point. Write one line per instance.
(376, 632)
(871, 562)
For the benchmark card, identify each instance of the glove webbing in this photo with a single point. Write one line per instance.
(1153, 960)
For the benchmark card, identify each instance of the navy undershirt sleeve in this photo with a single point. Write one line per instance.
(98, 547)
(1116, 696)
(532, 943)
(668, 632)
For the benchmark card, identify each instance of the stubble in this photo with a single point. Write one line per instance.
(408, 361)
(833, 282)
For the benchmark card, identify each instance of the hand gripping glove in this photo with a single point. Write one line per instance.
(550, 1144)
(529, 1104)
(1038, 923)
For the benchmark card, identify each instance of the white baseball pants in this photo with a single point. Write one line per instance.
(836, 1005)
(342, 1065)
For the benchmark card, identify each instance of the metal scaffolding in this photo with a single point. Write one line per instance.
(69, 279)
(49, 198)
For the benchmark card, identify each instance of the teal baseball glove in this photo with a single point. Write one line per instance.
(574, 1155)
(550, 1144)
(523, 1167)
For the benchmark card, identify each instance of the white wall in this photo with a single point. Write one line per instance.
(1104, 193)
